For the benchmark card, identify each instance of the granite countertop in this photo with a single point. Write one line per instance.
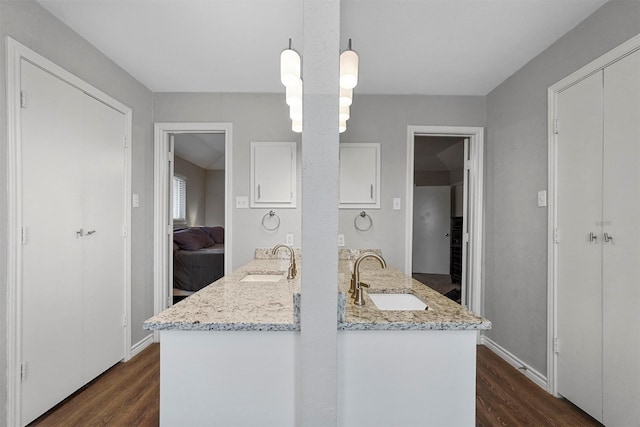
(231, 305)
(443, 313)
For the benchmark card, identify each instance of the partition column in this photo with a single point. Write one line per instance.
(318, 353)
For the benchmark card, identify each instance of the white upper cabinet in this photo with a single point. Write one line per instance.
(359, 175)
(273, 174)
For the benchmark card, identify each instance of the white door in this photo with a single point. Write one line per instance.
(579, 252)
(621, 253)
(104, 242)
(73, 253)
(431, 228)
(51, 280)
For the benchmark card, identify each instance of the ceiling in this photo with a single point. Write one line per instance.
(203, 149)
(435, 47)
(438, 153)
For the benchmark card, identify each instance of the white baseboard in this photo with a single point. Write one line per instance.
(141, 345)
(511, 359)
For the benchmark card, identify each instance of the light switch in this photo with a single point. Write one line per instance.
(242, 202)
(136, 201)
(396, 203)
(542, 198)
(341, 240)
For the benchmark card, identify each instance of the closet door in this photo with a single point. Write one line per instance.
(579, 252)
(621, 253)
(52, 216)
(104, 242)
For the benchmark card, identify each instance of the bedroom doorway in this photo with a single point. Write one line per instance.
(192, 191)
(447, 187)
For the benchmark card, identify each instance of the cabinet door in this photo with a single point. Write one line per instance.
(579, 258)
(621, 269)
(273, 174)
(359, 175)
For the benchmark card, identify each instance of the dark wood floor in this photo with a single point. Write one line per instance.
(128, 395)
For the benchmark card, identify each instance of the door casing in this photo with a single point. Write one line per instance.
(15, 53)
(474, 232)
(600, 63)
(162, 133)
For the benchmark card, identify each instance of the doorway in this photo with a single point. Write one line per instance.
(192, 195)
(438, 213)
(433, 161)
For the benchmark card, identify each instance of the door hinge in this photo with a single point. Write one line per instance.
(556, 345)
(465, 237)
(23, 99)
(467, 164)
(556, 127)
(125, 141)
(170, 156)
(169, 230)
(23, 371)
(556, 236)
(124, 321)
(124, 231)
(169, 301)
(23, 235)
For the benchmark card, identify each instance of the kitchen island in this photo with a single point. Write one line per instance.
(229, 352)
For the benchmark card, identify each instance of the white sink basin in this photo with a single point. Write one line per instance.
(399, 302)
(270, 277)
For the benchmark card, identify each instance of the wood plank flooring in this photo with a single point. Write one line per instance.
(128, 395)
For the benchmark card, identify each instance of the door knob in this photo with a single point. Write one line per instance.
(90, 232)
(608, 237)
(79, 233)
(593, 237)
(446, 234)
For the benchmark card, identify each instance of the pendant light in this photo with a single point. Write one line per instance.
(349, 68)
(346, 97)
(293, 94)
(289, 67)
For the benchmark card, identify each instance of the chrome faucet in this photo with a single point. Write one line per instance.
(292, 260)
(356, 284)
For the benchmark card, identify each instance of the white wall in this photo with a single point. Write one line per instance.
(30, 24)
(196, 190)
(214, 205)
(515, 257)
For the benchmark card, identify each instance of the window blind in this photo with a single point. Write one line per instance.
(179, 198)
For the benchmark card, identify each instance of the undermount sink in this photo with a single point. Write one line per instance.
(263, 277)
(398, 302)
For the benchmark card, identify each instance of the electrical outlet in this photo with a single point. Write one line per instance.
(289, 239)
(396, 203)
(340, 239)
(542, 198)
(242, 202)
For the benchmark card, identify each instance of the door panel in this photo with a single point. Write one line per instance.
(579, 260)
(51, 214)
(104, 243)
(621, 211)
(431, 228)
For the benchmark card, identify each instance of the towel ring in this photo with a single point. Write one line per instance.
(271, 214)
(365, 215)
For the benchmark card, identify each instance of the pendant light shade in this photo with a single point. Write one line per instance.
(342, 126)
(349, 68)
(296, 126)
(344, 114)
(289, 67)
(294, 94)
(295, 113)
(346, 97)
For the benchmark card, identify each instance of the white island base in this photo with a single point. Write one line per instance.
(385, 378)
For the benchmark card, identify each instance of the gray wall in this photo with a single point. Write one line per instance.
(30, 24)
(255, 117)
(384, 119)
(515, 279)
(214, 210)
(196, 190)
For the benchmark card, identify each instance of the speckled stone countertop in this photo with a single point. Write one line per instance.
(232, 305)
(443, 314)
